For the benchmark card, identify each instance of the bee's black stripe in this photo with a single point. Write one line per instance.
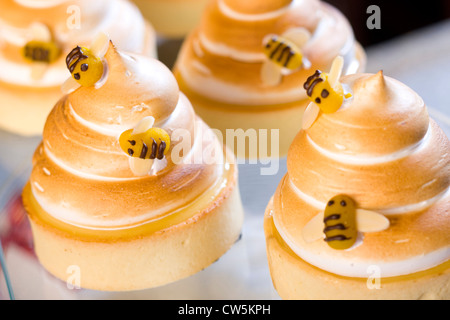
(37, 54)
(332, 217)
(144, 151)
(336, 238)
(287, 52)
(71, 54)
(154, 150)
(290, 55)
(285, 49)
(75, 55)
(274, 52)
(338, 226)
(74, 64)
(161, 149)
(313, 84)
(307, 84)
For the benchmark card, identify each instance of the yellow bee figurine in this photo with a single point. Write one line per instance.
(41, 51)
(319, 91)
(283, 53)
(341, 221)
(85, 67)
(86, 64)
(325, 92)
(146, 147)
(151, 144)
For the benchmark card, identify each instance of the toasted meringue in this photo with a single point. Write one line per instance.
(234, 81)
(29, 90)
(382, 149)
(124, 231)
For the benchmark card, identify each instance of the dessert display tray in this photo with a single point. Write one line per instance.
(242, 273)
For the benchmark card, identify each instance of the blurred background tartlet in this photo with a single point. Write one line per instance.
(243, 67)
(172, 19)
(36, 36)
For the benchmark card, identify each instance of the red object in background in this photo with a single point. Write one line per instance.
(18, 230)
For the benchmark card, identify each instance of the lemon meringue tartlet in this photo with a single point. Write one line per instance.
(36, 36)
(382, 150)
(172, 18)
(122, 228)
(243, 66)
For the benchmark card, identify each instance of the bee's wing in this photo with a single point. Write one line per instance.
(370, 221)
(140, 167)
(270, 73)
(310, 115)
(158, 166)
(353, 67)
(100, 44)
(313, 230)
(40, 32)
(38, 70)
(335, 71)
(70, 85)
(298, 36)
(144, 125)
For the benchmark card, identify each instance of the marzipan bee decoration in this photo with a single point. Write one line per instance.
(341, 222)
(283, 54)
(145, 145)
(325, 92)
(86, 65)
(41, 50)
